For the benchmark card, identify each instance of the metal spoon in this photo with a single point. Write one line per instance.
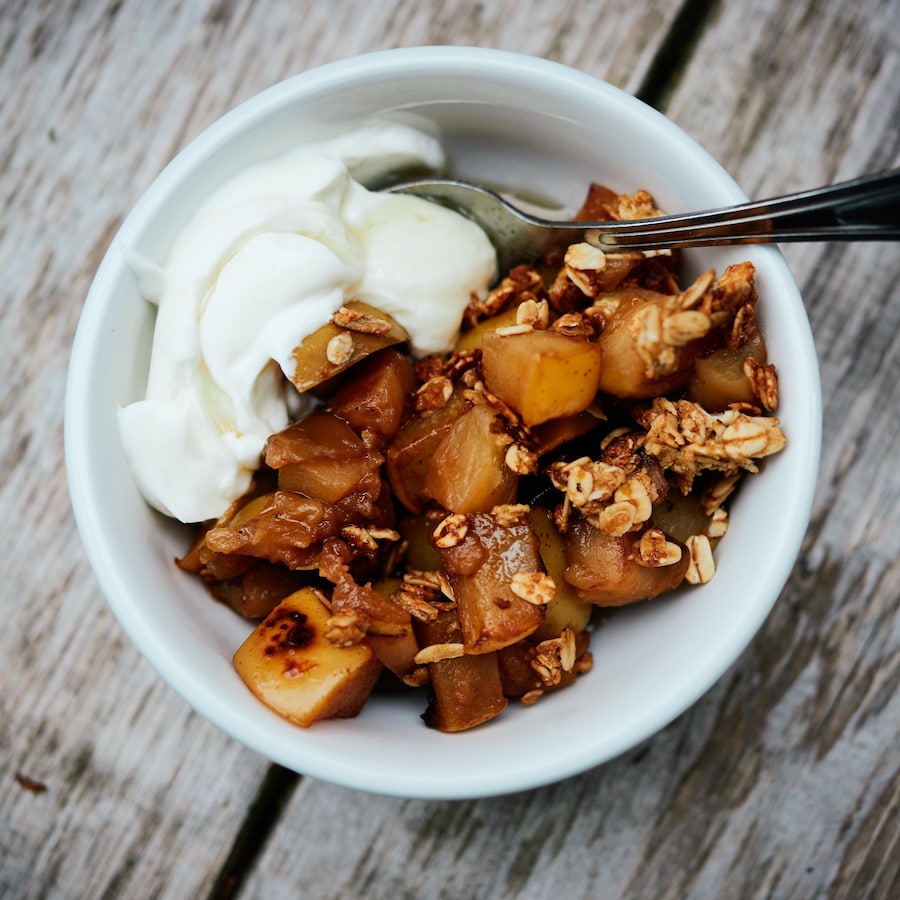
(865, 209)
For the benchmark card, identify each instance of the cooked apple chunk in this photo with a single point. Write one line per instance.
(497, 576)
(294, 670)
(322, 457)
(566, 609)
(542, 375)
(355, 332)
(604, 569)
(466, 689)
(468, 472)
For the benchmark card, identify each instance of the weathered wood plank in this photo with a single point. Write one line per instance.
(784, 780)
(142, 797)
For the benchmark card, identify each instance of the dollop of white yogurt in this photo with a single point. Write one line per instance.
(265, 261)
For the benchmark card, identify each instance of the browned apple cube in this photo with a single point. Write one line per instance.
(468, 472)
(331, 349)
(322, 457)
(603, 570)
(625, 371)
(408, 454)
(287, 662)
(482, 557)
(719, 380)
(542, 375)
(378, 395)
(566, 609)
(466, 690)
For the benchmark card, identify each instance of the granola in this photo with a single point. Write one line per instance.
(564, 497)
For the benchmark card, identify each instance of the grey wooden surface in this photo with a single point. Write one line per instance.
(783, 781)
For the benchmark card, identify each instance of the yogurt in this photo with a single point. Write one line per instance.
(267, 260)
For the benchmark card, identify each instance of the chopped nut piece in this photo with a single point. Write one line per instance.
(521, 282)
(744, 328)
(436, 652)
(536, 588)
(764, 381)
(573, 325)
(339, 349)
(702, 567)
(451, 531)
(354, 320)
(521, 460)
(434, 394)
(655, 550)
(510, 513)
(344, 630)
(529, 698)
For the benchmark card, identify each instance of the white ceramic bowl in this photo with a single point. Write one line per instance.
(524, 123)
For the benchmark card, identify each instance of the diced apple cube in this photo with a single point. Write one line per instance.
(468, 471)
(542, 375)
(289, 665)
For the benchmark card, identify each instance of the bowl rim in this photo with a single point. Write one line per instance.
(88, 512)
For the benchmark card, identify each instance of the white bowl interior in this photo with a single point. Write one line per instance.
(529, 125)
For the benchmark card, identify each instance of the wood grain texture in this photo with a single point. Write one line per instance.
(783, 781)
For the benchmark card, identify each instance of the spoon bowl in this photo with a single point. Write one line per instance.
(866, 208)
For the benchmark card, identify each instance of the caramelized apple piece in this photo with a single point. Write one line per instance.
(259, 590)
(603, 571)
(408, 454)
(542, 374)
(377, 397)
(517, 674)
(565, 610)
(680, 516)
(388, 628)
(396, 652)
(556, 432)
(719, 380)
(319, 358)
(284, 527)
(625, 371)
(473, 337)
(466, 690)
(290, 666)
(416, 531)
(481, 557)
(468, 472)
(322, 457)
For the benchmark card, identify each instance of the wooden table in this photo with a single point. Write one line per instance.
(783, 781)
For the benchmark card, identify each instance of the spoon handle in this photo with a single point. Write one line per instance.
(864, 209)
